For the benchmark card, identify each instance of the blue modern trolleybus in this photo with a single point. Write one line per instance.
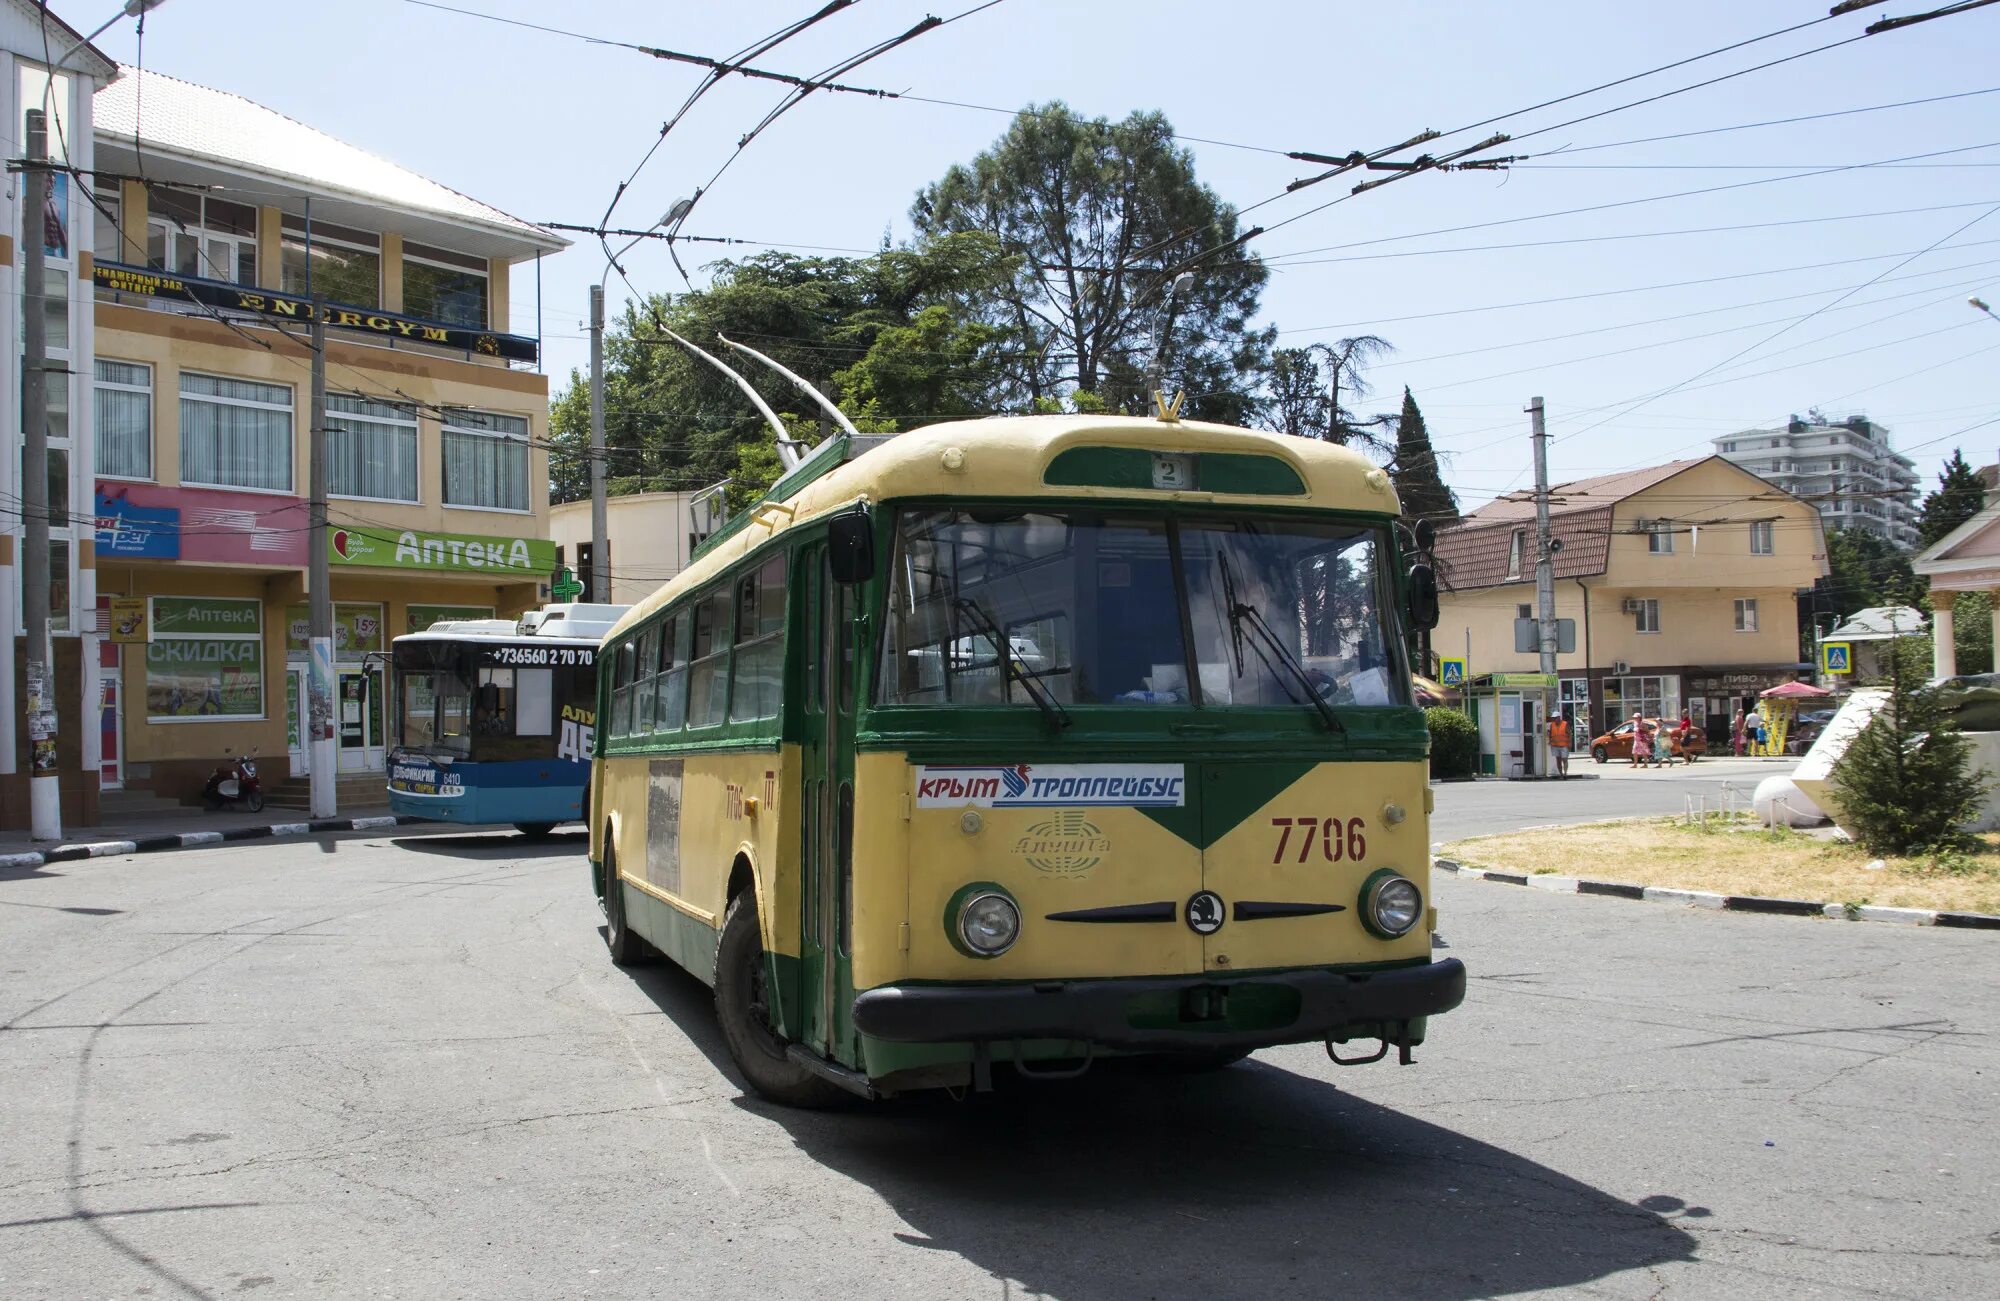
(495, 718)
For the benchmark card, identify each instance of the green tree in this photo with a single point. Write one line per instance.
(1865, 569)
(892, 337)
(1959, 496)
(1907, 782)
(1415, 469)
(1302, 391)
(1104, 218)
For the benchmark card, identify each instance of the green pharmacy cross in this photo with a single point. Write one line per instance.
(565, 587)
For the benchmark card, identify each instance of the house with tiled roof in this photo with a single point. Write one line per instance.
(1681, 581)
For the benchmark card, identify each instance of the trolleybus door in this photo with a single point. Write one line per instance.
(827, 801)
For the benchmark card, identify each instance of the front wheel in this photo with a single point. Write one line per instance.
(743, 1006)
(254, 801)
(1600, 754)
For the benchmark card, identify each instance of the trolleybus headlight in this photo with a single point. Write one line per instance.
(1390, 904)
(988, 924)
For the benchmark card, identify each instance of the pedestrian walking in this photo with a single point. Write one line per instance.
(1684, 736)
(1559, 743)
(1753, 727)
(1642, 743)
(1736, 732)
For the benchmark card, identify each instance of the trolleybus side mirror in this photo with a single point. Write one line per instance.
(1423, 597)
(1426, 536)
(850, 546)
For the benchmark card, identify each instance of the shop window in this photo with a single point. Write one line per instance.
(758, 672)
(486, 461)
(206, 659)
(123, 412)
(201, 236)
(440, 285)
(371, 448)
(345, 265)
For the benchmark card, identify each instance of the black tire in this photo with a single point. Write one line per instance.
(627, 948)
(535, 830)
(255, 803)
(1600, 754)
(741, 1008)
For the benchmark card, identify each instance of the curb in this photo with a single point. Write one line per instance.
(189, 839)
(1737, 903)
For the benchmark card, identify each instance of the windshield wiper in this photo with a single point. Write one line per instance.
(1242, 614)
(1002, 648)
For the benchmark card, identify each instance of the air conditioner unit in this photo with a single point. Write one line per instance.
(1631, 605)
(1620, 668)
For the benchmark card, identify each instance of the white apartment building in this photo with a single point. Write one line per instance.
(1844, 467)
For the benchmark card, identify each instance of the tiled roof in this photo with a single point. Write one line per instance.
(184, 118)
(1476, 552)
(1580, 494)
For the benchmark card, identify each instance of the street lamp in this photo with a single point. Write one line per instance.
(1163, 327)
(131, 9)
(600, 549)
(1980, 304)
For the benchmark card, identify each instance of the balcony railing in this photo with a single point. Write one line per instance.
(213, 297)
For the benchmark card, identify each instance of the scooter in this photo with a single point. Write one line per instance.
(234, 784)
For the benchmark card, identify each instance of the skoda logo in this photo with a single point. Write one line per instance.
(1205, 912)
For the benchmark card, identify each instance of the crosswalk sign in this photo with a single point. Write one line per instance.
(1836, 657)
(1451, 672)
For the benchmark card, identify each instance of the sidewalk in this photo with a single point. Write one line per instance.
(146, 834)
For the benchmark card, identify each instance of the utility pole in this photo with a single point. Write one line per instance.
(1545, 585)
(319, 636)
(44, 787)
(600, 547)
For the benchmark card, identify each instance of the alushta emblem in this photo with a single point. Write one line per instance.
(1066, 844)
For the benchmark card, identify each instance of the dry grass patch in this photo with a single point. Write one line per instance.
(1742, 860)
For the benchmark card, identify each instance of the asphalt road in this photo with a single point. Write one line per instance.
(378, 1067)
(1594, 791)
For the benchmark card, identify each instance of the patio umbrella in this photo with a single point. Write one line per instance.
(1796, 691)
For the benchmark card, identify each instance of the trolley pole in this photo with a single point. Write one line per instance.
(44, 788)
(1545, 584)
(319, 635)
(600, 546)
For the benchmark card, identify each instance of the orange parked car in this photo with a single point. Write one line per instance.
(1617, 743)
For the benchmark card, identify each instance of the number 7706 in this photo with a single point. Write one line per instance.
(1337, 840)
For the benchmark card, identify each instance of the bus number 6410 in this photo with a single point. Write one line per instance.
(1337, 840)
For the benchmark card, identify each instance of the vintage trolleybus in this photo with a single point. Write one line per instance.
(1031, 741)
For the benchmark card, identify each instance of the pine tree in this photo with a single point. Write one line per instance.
(1415, 470)
(1907, 783)
(1959, 496)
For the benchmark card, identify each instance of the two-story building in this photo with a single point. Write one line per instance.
(1682, 581)
(218, 223)
(649, 538)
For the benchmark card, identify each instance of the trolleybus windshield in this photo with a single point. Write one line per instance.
(1106, 608)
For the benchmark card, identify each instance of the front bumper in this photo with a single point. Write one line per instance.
(1182, 1012)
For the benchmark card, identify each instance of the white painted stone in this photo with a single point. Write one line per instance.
(1554, 884)
(1695, 898)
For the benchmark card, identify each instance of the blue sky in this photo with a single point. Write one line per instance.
(545, 127)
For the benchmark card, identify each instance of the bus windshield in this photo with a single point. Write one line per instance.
(1104, 608)
(436, 713)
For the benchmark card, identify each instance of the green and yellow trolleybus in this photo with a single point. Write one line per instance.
(1031, 740)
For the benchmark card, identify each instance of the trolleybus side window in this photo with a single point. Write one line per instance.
(623, 660)
(708, 671)
(759, 667)
(670, 700)
(646, 680)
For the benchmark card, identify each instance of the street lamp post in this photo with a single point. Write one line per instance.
(1979, 304)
